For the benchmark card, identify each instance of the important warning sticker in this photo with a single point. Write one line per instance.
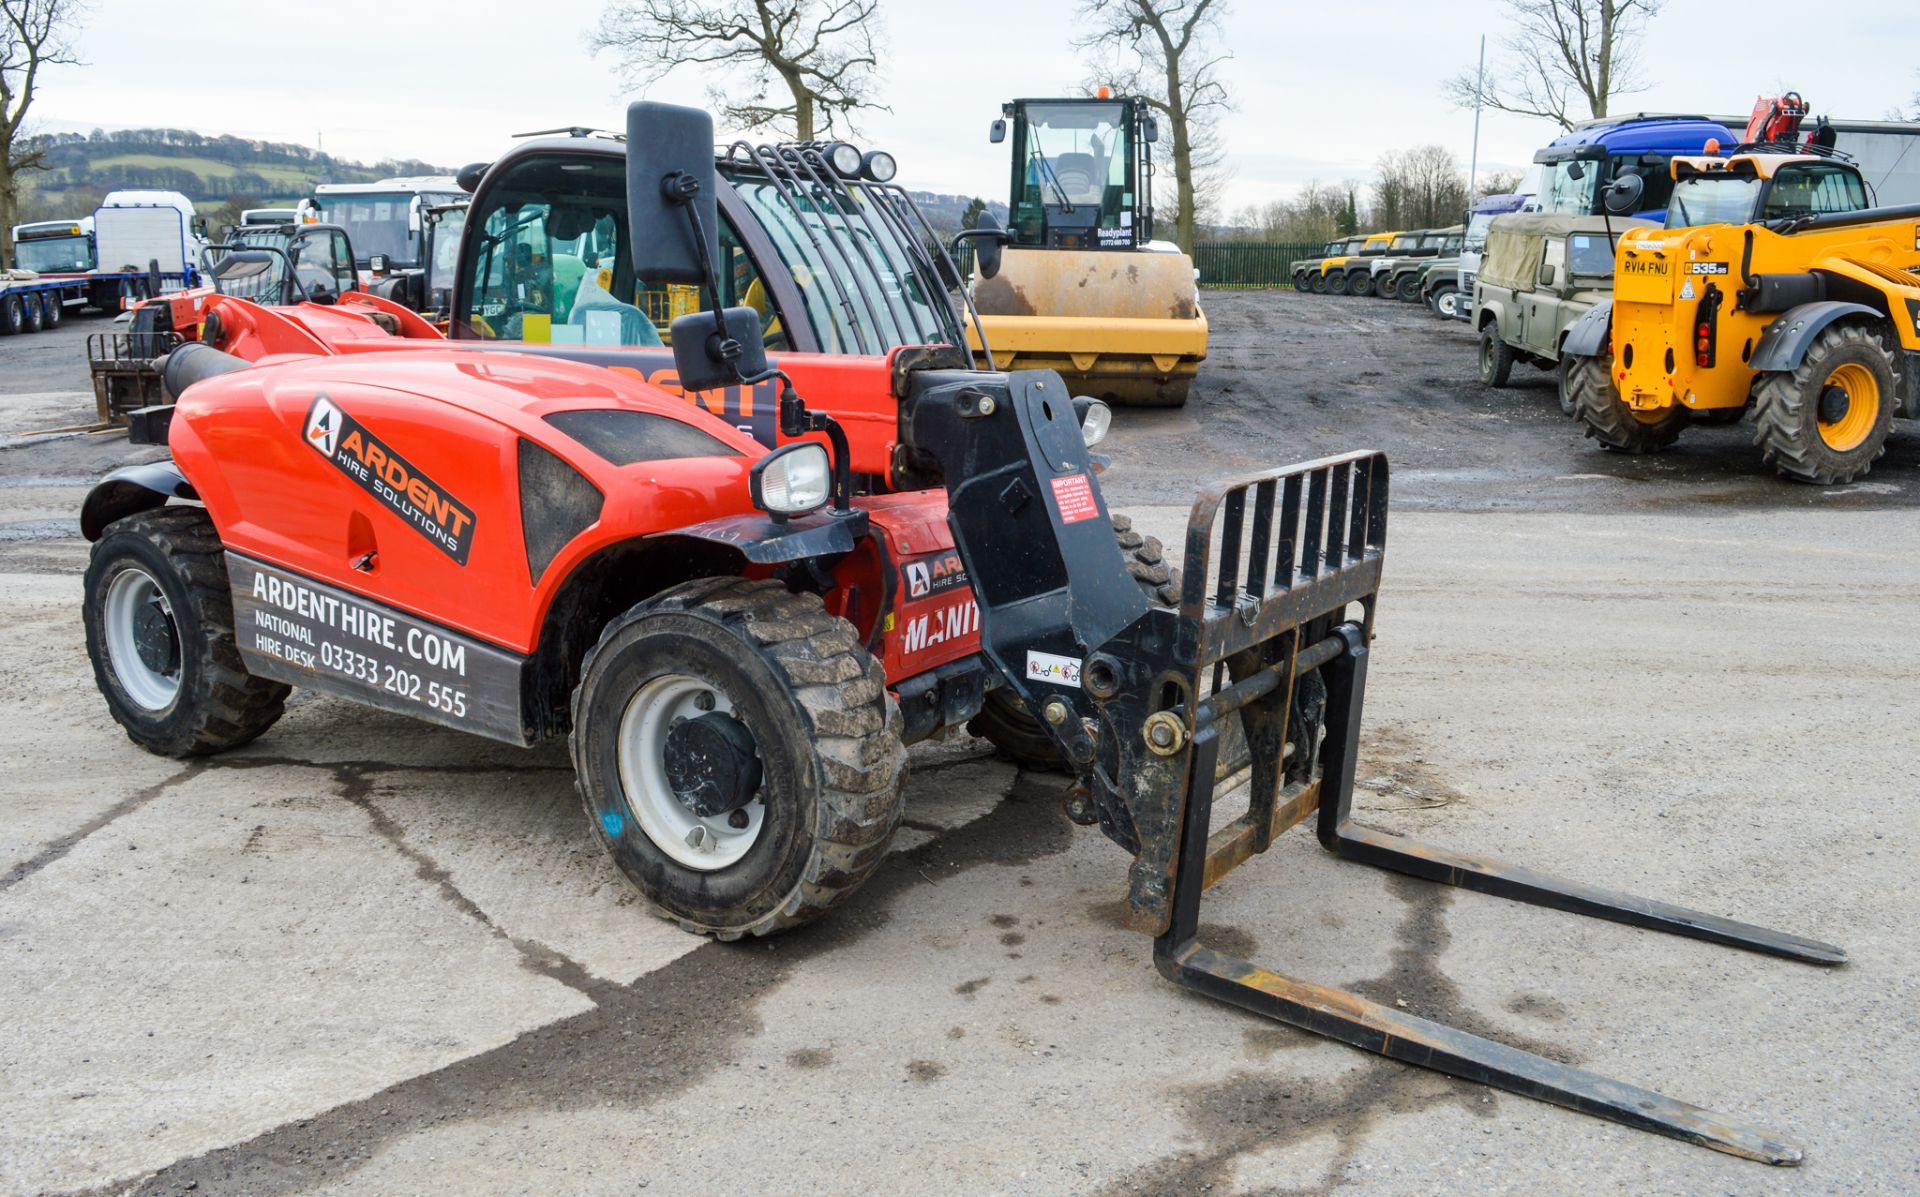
(1050, 667)
(1073, 495)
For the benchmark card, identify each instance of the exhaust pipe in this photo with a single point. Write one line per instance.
(191, 363)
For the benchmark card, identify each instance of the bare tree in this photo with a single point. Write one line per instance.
(1500, 182)
(1420, 188)
(821, 52)
(1163, 51)
(34, 34)
(1561, 55)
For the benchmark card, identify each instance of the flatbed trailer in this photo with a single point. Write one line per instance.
(29, 303)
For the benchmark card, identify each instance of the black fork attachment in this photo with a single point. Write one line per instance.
(1269, 651)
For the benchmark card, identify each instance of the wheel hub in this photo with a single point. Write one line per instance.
(1834, 402)
(712, 764)
(155, 640)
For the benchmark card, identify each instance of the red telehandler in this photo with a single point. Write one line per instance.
(741, 605)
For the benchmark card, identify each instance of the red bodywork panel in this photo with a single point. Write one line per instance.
(439, 426)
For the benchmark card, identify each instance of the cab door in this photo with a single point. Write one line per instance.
(1540, 320)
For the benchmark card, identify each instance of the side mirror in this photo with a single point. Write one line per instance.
(1576, 171)
(468, 176)
(669, 178)
(704, 359)
(199, 226)
(1549, 275)
(1150, 130)
(377, 265)
(997, 132)
(988, 238)
(1622, 196)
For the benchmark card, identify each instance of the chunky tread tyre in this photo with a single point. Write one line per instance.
(36, 314)
(815, 689)
(1005, 723)
(1597, 405)
(1446, 303)
(1786, 409)
(13, 315)
(219, 704)
(53, 305)
(1496, 356)
(1360, 283)
(1337, 284)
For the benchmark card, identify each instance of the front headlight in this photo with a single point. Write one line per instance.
(792, 480)
(1095, 419)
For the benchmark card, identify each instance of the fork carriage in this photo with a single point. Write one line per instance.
(1257, 679)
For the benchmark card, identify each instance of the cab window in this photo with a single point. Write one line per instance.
(550, 264)
(1813, 188)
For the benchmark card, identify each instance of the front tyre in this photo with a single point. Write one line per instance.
(159, 623)
(738, 755)
(1597, 405)
(1827, 421)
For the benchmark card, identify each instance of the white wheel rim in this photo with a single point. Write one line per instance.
(641, 752)
(129, 596)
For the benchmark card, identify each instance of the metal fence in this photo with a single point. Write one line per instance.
(1249, 265)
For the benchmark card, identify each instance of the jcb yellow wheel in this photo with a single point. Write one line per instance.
(1827, 421)
(1849, 406)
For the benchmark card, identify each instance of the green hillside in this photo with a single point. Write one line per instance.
(213, 171)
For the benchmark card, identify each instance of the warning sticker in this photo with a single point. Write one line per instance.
(1049, 667)
(1073, 495)
(296, 630)
(360, 455)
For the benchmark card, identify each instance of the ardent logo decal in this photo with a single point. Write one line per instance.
(933, 575)
(415, 498)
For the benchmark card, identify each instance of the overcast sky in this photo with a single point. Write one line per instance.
(1321, 89)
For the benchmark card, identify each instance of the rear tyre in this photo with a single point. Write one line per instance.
(782, 800)
(53, 310)
(13, 316)
(35, 313)
(1827, 421)
(1446, 303)
(1496, 356)
(1560, 379)
(159, 624)
(1597, 405)
(1317, 283)
(1004, 721)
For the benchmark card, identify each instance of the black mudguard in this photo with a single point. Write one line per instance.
(1783, 346)
(130, 490)
(1587, 337)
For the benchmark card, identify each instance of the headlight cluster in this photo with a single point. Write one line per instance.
(792, 480)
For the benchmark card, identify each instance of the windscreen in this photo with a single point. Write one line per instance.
(1713, 199)
(1072, 162)
(54, 255)
(376, 224)
(1477, 229)
(867, 287)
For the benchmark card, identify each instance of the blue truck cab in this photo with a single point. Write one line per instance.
(1577, 166)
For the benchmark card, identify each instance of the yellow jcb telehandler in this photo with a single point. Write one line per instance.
(1804, 307)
